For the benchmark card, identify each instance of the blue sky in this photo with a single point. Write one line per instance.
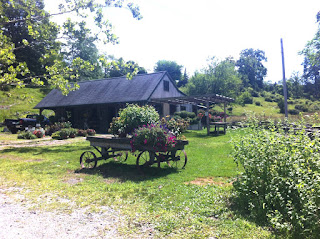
(189, 32)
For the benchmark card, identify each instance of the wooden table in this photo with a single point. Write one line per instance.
(217, 126)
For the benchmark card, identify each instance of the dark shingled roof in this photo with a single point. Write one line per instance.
(105, 91)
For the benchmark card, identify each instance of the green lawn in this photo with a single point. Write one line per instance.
(189, 203)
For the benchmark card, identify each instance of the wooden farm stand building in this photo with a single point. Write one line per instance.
(98, 101)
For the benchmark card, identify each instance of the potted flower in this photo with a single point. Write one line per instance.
(154, 137)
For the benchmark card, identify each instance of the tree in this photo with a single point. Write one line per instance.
(35, 24)
(220, 77)
(118, 67)
(28, 49)
(184, 79)
(171, 67)
(251, 69)
(311, 63)
(81, 44)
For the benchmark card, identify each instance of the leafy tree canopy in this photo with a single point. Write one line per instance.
(30, 51)
(251, 69)
(119, 67)
(311, 63)
(220, 77)
(171, 67)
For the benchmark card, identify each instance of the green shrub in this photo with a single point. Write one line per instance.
(258, 103)
(301, 107)
(132, 117)
(281, 106)
(73, 132)
(27, 135)
(56, 135)
(293, 112)
(245, 98)
(191, 117)
(176, 126)
(268, 99)
(65, 133)
(280, 182)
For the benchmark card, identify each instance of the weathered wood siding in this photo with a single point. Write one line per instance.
(161, 93)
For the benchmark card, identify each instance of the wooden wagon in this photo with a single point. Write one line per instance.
(118, 148)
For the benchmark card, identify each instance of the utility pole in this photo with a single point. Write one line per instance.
(284, 82)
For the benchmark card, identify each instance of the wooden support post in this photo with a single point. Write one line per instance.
(225, 111)
(207, 118)
(40, 111)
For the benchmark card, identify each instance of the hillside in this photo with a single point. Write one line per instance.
(16, 103)
(20, 102)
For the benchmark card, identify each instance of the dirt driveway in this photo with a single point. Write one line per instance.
(38, 142)
(18, 221)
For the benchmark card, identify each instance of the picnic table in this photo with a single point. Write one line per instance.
(218, 125)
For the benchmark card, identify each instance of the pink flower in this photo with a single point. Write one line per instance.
(145, 141)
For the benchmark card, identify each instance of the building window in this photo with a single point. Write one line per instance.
(166, 85)
(183, 108)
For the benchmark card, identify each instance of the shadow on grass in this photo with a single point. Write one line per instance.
(203, 134)
(45, 149)
(127, 172)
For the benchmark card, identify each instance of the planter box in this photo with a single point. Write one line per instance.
(195, 126)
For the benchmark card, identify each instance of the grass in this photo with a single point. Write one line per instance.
(20, 102)
(189, 203)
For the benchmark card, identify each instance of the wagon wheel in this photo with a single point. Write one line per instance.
(88, 160)
(120, 156)
(143, 160)
(178, 159)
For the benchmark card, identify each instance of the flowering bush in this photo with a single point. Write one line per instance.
(82, 132)
(176, 126)
(154, 135)
(39, 133)
(50, 129)
(91, 132)
(131, 118)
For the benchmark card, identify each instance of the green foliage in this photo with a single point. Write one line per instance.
(57, 126)
(131, 117)
(280, 182)
(31, 53)
(301, 107)
(220, 77)
(293, 112)
(117, 68)
(281, 106)
(311, 64)
(27, 135)
(251, 69)
(191, 117)
(171, 67)
(245, 98)
(176, 126)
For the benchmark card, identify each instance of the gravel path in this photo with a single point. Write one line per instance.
(18, 221)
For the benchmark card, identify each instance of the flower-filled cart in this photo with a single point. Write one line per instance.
(138, 129)
(114, 147)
